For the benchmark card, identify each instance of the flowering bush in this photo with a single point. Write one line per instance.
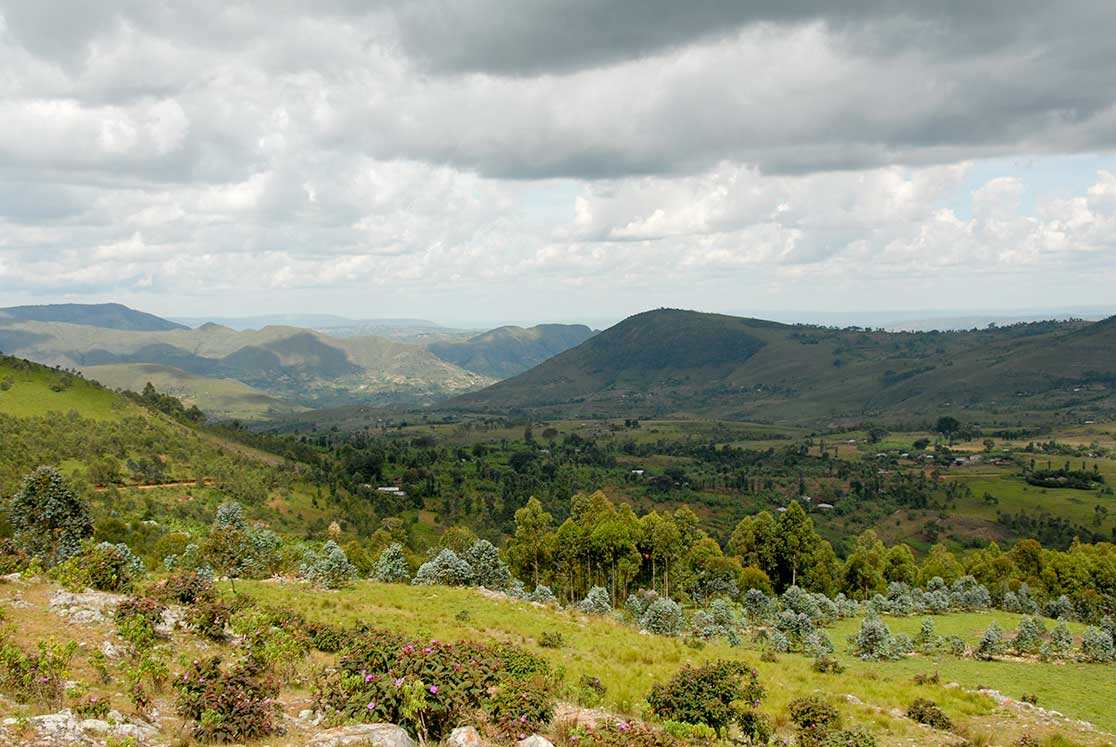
(622, 734)
(209, 618)
(429, 687)
(815, 719)
(716, 694)
(227, 704)
(94, 706)
(38, 677)
(136, 618)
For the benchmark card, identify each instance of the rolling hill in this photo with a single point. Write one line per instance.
(106, 315)
(671, 361)
(507, 351)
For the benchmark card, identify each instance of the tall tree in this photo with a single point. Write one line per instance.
(532, 548)
(50, 519)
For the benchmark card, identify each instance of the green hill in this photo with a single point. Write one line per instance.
(221, 399)
(106, 315)
(299, 366)
(507, 351)
(30, 390)
(670, 361)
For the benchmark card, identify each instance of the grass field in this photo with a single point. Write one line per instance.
(30, 391)
(628, 663)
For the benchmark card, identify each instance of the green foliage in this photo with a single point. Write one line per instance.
(716, 694)
(183, 587)
(105, 567)
(446, 569)
(1097, 646)
(136, 618)
(35, 677)
(596, 602)
(663, 617)
(1029, 636)
(611, 733)
(927, 712)
(329, 569)
(991, 642)
(488, 570)
(92, 706)
(49, 519)
(209, 617)
(227, 704)
(813, 711)
(392, 566)
(550, 639)
(428, 686)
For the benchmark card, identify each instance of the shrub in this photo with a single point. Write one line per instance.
(716, 694)
(1029, 698)
(542, 595)
(596, 602)
(1096, 645)
(1058, 609)
(663, 617)
(927, 639)
(518, 709)
(551, 639)
(392, 566)
(328, 570)
(488, 570)
(899, 646)
(93, 706)
(827, 665)
(871, 643)
(928, 679)
(1028, 636)
(50, 520)
(328, 639)
(590, 691)
(183, 587)
(956, 645)
(991, 643)
(817, 644)
(274, 639)
(446, 569)
(209, 619)
(37, 677)
(429, 687)
(136, 618)
(227, 704)
(847, 739)
(105, 567)
(757, 605)
(927, 712)
(631, 734)
(813, 711)
(1061, 641)
(13, 559)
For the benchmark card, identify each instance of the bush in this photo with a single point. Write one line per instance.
(542, 595)
(446, 569)
(847, 739)
(1028, 636)
(136, 618)
(817, 644)
(392, 566)
(328, 570)
(38, 677)
(991, 643)
(94, 706)
(590, 691)
(227, 704)
(663, 617)
(827, 665)
(596, 602)
(488, 570)
(551, 639)
(328, 639)
(50, 520)
(209, 619)
(871, 643)
(813, 711)
(1096, 645)
(716, 694)
(105, 567)
(517, 709)
(630, 734)
(927, 712)
(183, 587)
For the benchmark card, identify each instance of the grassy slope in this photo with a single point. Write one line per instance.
(628, 663)
(222, 399)
(30, 394)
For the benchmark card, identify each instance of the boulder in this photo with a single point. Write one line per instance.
(464, 736)
(362, 735)
(66, 729)
(535, 741)
(85, 607)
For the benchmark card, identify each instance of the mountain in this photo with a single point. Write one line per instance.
(670, 361)
(299, 366)
(105, 315)
(507, 351)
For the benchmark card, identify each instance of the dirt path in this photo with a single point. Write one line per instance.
(153, 485)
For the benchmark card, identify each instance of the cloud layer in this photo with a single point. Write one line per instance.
(623, 153)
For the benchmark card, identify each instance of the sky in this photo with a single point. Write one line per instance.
(552, 160)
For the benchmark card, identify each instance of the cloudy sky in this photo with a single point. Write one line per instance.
(557, 159)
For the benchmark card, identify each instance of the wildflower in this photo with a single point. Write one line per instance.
(427, 650)
(372, 705)
(368, 678)
(399, 682)
(434, 689)
(623, 726)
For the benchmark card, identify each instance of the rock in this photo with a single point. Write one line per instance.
(464, 736)
(86, 607)
(111, 651)
(535, 741)
(362, 735)
(10, 578)
(65, 729)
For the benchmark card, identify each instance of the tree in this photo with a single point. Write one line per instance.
(50, 520)
(532, 548)
(948, 426)
(488, 570)
(392, 566)
(795, 540)
(329, 569)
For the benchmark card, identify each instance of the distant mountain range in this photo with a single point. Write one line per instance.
(105, 315)
(273, 370)
(669, 362)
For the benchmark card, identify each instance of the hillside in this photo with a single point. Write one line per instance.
(299, 366)
(106, 315)
(220, 399)
(507, 351)
(669, 361)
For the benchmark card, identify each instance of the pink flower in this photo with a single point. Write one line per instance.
(623, 726)
(427, 650)
(434, 689)
(372, 706)
(368, 678)
(399, 682)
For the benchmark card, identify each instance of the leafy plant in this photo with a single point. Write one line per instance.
(227, 704)
(716, 694)
(927, 712)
